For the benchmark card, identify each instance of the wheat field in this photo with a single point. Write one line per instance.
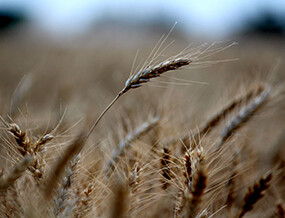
(196, 129)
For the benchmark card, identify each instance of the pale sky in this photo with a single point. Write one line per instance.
(219, 17)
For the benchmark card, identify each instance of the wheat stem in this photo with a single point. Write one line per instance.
(16, 172)
(102, 114)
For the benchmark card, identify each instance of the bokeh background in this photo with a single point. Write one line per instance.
(77, 54)
(208, 19)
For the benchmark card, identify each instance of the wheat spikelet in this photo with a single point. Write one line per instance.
(190, 199)
(15, 172)
(280, 210)
(126, 142)
(86, 199)
(10, 204)
(194, 198)
(63, 203)
(28, 147)
(151, 72)
(197, 191)
(243, 116)
(43, 140)
(165, 169)
(187, 169)
(134, 178)
(179, 203)
(254, 194)
(38, 150)
(83, 203)
(21, 138)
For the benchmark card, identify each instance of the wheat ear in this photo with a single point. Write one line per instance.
(217, 118)
(71, 151)
(26, 146)
(198, 185)
(190, 198)
(165, 169)
(187, 172)
(280, 209)
(134, 178)
(254, 194)
(243, 116)
(143, 76)
(63, 203)
(126, 142)
(84, 199)
(21, 138)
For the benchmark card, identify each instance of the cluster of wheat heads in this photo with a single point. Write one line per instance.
(206, 171)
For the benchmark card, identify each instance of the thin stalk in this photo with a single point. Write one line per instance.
(102, 114)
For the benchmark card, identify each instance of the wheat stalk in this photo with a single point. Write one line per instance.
(120, 200)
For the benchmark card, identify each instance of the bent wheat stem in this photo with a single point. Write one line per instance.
(102, 114)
